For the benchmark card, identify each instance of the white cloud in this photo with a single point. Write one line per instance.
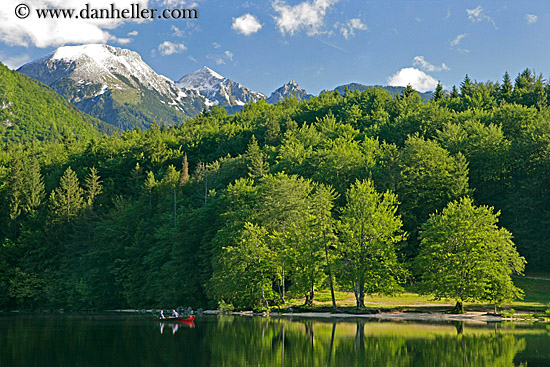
(229, 55)
(216, 45)
(420, 62)
(169, 48)
(14, 62)
(477, 15)
(457, 39)
(531, 18)
(418, 79)
(306, 15)
(58, 32)
(123, 41)
(220, 61)
(192, 59)
(246, 24)
(348, 29)
(133, 33)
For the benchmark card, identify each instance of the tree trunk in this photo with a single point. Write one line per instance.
(459, 307)
(330, 278)
(361, 296)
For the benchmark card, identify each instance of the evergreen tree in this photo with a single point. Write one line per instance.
(506, 90)
(438, 93)
(454, 92)
(67, 199)
(257, 167)
(34, 189)
(93, 186)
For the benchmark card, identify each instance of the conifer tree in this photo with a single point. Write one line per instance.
(438, 93)
(67, 199)
(93, 186)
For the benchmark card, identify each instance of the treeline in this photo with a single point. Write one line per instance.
(256, 208)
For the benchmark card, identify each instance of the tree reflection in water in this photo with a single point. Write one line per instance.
(261, 341)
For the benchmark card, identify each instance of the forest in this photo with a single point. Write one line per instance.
(348, 191)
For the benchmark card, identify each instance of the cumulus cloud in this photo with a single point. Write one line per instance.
(246, 24)
(457, 39)
(306, 15)
(169, 48)
(58, 32)
(228, 54)
(421, 63)
(418, 79)
(477, 15)
(531, 18)
(348, 29)
(133, 33)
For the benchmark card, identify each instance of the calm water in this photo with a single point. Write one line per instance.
(114, 340)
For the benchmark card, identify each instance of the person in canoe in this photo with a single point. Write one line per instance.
(175, 313)
(161, 314)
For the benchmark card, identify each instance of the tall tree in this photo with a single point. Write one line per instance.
(438, 93)
(465, 256)
(369, 231)
(93, 186)
(67, 199)
(34, 189)
(257, 166)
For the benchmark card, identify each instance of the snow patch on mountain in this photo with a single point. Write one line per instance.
(219, 90)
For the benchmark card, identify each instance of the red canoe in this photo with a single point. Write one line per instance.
(177, 319)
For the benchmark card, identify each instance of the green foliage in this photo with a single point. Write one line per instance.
(31, 111)
(244, 208)
(370, 230)
(465, 256)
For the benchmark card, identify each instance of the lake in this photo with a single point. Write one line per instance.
(137, 340)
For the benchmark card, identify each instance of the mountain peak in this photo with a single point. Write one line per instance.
(289, 89)
(97, 52)
(208, 71)
(218, 89)
(101, 75)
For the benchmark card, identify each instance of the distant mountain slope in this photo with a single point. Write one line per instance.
(30, 110)
(114, 85)
(219, 90)
(289, 89)
(392, 90)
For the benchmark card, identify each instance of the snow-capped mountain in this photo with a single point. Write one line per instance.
(289, 89)
(218, 89)
(115, 85)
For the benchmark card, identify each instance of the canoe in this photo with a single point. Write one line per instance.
(177, 319)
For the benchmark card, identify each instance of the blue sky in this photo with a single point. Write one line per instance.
(319, 43)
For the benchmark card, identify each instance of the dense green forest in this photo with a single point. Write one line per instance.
(265, 205)
(30, 110)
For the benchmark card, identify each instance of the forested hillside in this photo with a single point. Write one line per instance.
(257, 208)
(31, 111)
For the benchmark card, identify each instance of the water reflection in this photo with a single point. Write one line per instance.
(175, 326)
(243, 341)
